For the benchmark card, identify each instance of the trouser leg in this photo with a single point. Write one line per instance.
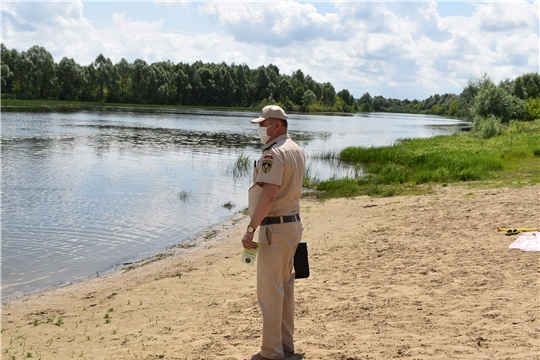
(275, 287)
(287, 323)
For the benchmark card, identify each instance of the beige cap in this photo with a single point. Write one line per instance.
(270, 111)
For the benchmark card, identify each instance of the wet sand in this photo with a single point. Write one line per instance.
(417, 277)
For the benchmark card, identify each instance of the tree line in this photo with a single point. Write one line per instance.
(517, 99)
(33, 74)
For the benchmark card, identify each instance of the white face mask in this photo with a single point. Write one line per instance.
(263, 133)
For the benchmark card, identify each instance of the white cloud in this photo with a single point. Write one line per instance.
(280, 23)
(478, 45)
(177, 5)
(506, 17)
(59, 26)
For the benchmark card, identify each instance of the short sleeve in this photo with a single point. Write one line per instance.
(271, 167)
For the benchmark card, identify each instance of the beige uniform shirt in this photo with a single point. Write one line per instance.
(282, 163)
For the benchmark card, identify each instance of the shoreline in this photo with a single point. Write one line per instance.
(422, 276)
(114, 107)
(56, 105)
(171, 250)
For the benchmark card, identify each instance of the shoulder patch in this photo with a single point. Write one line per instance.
(266, 165)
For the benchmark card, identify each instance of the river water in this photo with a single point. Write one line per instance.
(84, 192)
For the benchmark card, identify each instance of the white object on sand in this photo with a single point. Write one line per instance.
(529, 241)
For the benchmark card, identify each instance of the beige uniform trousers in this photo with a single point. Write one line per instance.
(275, 286)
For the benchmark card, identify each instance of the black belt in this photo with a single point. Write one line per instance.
(280, 219)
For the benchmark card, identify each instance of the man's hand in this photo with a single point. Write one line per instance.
(267, 198)
(247, 241)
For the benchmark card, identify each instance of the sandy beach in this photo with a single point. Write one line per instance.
(416, 277)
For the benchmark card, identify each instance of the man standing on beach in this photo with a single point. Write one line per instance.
(274, 204)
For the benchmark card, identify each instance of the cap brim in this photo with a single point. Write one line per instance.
(257, 120)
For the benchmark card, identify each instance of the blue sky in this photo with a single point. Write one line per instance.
(395, 49)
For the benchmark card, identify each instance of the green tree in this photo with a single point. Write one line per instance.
(8, 59)
(113, 86)
(44, 74)
(262, 82)
(71, 78)
(428, 103)
(495, 100)
(365, 103)
(533, 109)
(273, 73)
(124, 70)
(5, 75)
(453, 109)
(23, 75)
(346, 96)
(437, 109)
(342, 106)
(312, 85)
(285, 90)
(308, 99)
(467, 96)
(103, 68)
(519, 89)
(160, 87)
(227, 87)
(298, 95)
(240, 75)
(139, 89)
(183, 88)
(203, 86)
(379, 103)
(271, 90)
(298, 79)
(532, 84)
(328, 94)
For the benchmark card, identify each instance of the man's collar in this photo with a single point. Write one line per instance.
(275, 141)
(281, 137)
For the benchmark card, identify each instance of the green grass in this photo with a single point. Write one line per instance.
(242, 166)
(413, 166)
(310, 180)
(66, 105)
(184, 195)
(228, 205)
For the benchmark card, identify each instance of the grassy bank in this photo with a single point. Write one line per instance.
(67, 105)
(61, 105)
(411, 166)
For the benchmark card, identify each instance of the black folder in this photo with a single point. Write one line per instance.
(301, 264)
